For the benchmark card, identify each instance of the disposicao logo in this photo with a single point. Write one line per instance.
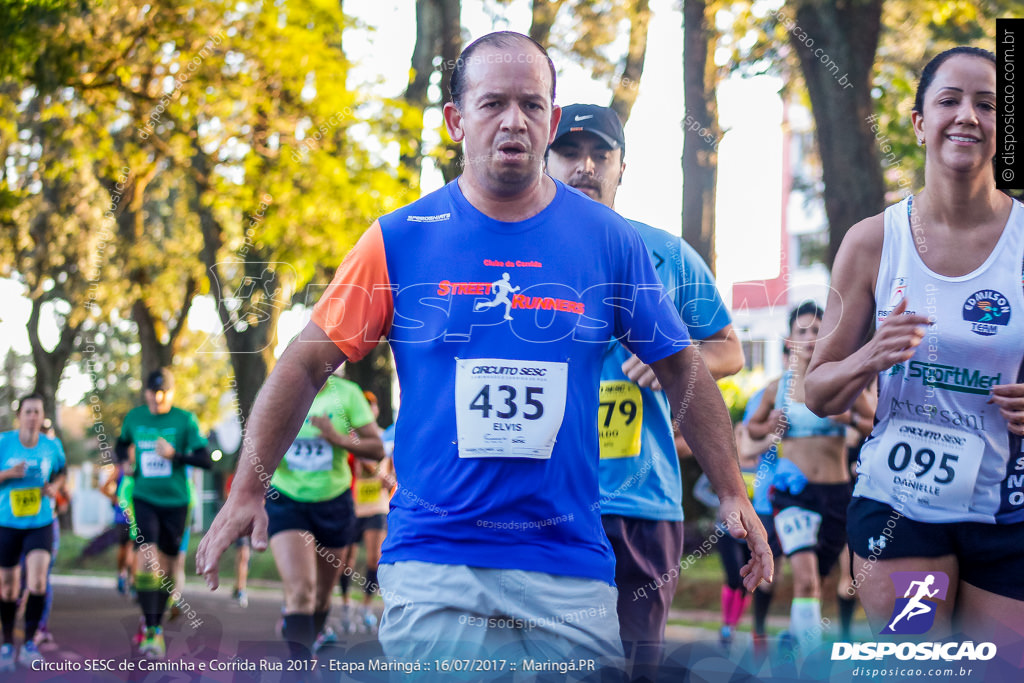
(917, 598)
(914, 613)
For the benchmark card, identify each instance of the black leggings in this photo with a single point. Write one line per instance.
(735, 554)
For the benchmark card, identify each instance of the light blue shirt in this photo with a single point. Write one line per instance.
(22, 503)
(766, 467)
(648, 485)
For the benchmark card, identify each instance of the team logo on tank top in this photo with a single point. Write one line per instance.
(986, 310)
(897, 292)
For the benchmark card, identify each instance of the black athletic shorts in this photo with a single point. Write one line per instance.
(373, 522)
(124, 533)
(990, 556)
(332, 522)
(160, 524)
(17, 542)
(769, 529)
(813, 520)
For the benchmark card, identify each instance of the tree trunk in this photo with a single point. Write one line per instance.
(438, 34)
(250, 329)
(543, 18)
(450, 40)
(373, 373)
(701, 133)
(840, 90)
(422, 66)
(628, 86)
(49, 364)
(156, 353)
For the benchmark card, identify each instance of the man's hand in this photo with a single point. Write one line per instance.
(242, 515)
(643, 375)
(164, 449)
(742, 522)
(1010, 399)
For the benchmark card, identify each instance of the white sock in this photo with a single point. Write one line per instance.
(805, 622)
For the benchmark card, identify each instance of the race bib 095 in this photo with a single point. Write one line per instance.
(928, 464)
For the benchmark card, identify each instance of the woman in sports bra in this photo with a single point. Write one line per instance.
(940, 491)
(811, 487)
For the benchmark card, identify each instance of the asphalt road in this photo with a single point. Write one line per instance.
(216, 640)
(93, 627)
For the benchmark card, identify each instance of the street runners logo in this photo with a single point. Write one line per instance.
(504, 294)
(986, 310)
(914, 614)
(963, 380)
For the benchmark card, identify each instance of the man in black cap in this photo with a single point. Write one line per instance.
(641, 486)
(165, 439)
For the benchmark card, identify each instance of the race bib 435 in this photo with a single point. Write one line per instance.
(508, 408)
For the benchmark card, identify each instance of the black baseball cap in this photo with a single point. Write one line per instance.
(160, 380)
(591, 118)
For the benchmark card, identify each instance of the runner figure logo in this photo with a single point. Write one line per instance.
(914, 613)
(501, 288)
(986, 310)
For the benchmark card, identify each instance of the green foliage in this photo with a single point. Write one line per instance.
(913, 31)
(737, 390)
(21, 24)
(228, 141)
(13, 383)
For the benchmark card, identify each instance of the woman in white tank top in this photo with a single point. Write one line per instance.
(939, 275)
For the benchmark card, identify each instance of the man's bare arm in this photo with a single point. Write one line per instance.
(722, 352)
(703, 419)
(276, 417)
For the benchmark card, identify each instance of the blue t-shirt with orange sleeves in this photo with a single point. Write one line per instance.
(640, 475)
(498, 331)
(22, 502)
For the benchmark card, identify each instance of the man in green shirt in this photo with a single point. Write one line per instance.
(165, 439)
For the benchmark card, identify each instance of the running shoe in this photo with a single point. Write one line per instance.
(241, 598)
(43, 635)
(725, 636)
(122, 584)
(348, 623)
(140, 634)
(760, 643)
(326, 637)
(789, 647)
(369, 624)
(29, 654)
(153, 644)
(7, 657)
